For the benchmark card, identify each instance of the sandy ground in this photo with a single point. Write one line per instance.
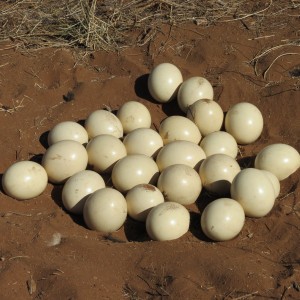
(46, 253)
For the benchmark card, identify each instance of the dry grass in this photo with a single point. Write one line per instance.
(106, 25)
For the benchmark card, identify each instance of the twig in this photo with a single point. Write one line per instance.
(264, 53)
(261, 37)
(19, 256)
(255, 60)
(9, 213)
(11, 110)
(107, 25)
(253, 14)
(3, 65)
(246, 296)
(281, 55)
(58, 273)
(287, 195)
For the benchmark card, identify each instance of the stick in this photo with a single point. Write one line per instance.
(281, 55)
(19, 256)
(253, 14)
(262, 37)
(245, 296)
(257, 57)
(9, 213)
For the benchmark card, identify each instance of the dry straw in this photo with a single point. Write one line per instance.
(112, 24)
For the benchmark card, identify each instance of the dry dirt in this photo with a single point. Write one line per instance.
(46, 253)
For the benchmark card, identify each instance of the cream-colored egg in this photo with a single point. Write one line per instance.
(63, 159)
(133, 115)
(167, 221)
(179, 128)
(103, 122)
(280, 159)
(217, 172)
(180, 183)
(77, 189)
(254, 191)
(105, 210)
(275, 182)
(24, 180)
(244, 122)
(219, 142)
(193, 89)
(141, 199)
(143, 141)
(104, 151)
(180, 152)
(222, 219)
(207, 115)
(164, 81)
(67, 130)
(132, 170)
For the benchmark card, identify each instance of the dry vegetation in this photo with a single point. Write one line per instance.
(106, 25)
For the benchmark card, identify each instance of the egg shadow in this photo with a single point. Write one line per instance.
(223, 122)
(56, 196)
(135, 231)
(206, 198)
(172, 108)
(1, 186)
(37, 158)
(141, 88)
(195, 225)
(218, 90)
(44, 139)
(246, 162)
(78, 219)
(81, 122)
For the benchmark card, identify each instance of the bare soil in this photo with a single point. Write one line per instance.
(46, 253)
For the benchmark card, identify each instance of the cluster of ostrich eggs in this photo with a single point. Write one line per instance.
(155, 175)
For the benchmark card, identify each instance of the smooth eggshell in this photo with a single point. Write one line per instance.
(254, 191)
(133, 115)
(105, 210)
(78, 187)
(222, 219)
(104, 151)
(141, 199)
(179, 128)
(244, 122)
(103, 122)
(217, 172)
(63, 159)
(143, 141)
(132, 170)
(193, 89)
(164, 81)
(24, 180)
(67, 130)
(207, 115)
(280, 159)
(180, 183)
(180, 152)
(219, 142)
(167, 221)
